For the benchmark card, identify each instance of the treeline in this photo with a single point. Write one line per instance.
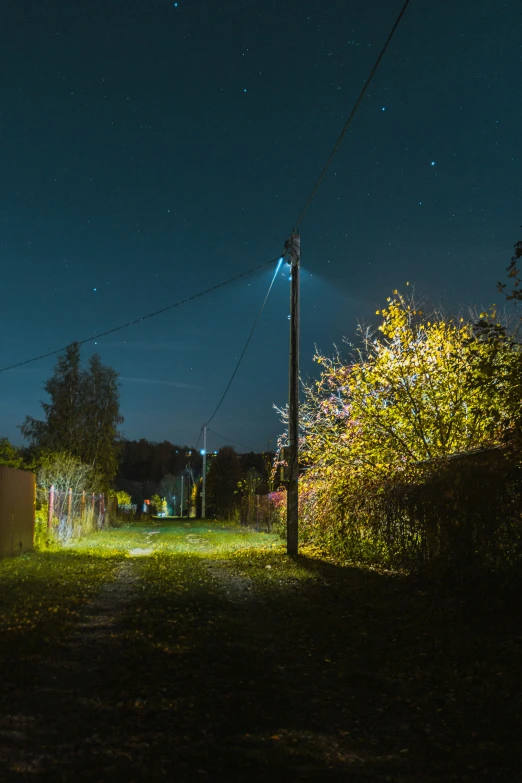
(234, 478)
(145, 461)
(148, 469)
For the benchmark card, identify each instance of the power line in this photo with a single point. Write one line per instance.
(218, 406)
(144, 317)
(310, 199)
(350, 118)
(199, 438)
(229, 440)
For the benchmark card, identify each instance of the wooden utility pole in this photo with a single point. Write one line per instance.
(204, 483)
(293, 251)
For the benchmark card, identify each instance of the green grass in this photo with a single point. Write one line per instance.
(178, 537)
(228, 660)
(41, 596)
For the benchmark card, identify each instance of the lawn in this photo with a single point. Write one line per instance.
(183, 651)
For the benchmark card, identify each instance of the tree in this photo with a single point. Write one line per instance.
(9, 455)
(159, 505)
(222, 481)
(64, 472)
(421, 390)
(82, 415)
(61, 430)
(146, 461)
(168, 488)
(416, 392)
(100, 410)
(513, 273)
(122, 498)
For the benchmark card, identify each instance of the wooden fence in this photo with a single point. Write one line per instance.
(17, 496)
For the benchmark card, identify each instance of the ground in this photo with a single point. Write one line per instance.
(180, 651)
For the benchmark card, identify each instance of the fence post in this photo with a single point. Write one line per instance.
(93, 505)
(69, 506)
(83, 505)
(50, 509)
(100, 511)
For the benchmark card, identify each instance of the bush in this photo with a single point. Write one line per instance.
(412, 446)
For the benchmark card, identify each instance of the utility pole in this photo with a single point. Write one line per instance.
(204, 484)
(293, 251)
(181, 501)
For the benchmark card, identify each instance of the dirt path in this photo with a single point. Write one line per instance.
(250, 666)
(48, 719)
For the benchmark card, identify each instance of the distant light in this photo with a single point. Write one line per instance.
(215, 452)
(202, 452)
(244, 90)
(94, 289)
(383, 108)
(432, 162)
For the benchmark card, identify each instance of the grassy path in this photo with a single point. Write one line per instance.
(187, 652)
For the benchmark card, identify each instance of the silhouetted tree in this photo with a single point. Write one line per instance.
(142, 460)
(82, 415)
(9, 455)
(514, 274)
(222, 482)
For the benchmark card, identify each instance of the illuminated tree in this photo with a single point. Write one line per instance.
(64, 472)
(170, 488)
(415, 392)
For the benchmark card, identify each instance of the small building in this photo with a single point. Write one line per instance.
(17, 506)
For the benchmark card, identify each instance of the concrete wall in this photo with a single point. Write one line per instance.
(17, 493)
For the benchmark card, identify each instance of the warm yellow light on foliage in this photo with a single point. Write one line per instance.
(416, 391)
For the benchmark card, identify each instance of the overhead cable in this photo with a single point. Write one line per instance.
(229, 440)
(199, 438)
(144, 317)
(350, 118)
(229, 384)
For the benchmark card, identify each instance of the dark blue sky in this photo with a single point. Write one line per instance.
(150, 150)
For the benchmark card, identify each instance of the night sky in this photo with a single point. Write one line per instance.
(150, 149)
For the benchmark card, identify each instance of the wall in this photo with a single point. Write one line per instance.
(17, 493)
